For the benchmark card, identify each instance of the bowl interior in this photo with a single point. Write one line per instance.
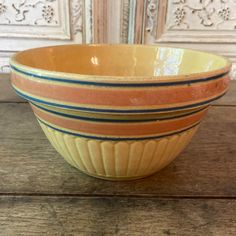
(120, 60)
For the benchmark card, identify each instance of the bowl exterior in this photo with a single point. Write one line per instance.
(118, 160)
(118, 127)
(119, 97)
(118, 149)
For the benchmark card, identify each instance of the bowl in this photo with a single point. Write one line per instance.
(119, 112)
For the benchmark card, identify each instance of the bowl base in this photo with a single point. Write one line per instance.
(116, 179)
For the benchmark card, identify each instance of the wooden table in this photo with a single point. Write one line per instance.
(42, 195)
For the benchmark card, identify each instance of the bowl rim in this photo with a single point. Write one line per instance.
(29, 70)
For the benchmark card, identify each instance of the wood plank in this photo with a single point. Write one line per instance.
(230, 98)
(100, 21)
(116, 216)
(7, 94)
(28, 163)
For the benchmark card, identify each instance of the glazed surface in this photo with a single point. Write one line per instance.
(120, 60)
(116, 111)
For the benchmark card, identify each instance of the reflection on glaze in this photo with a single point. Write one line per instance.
(120, 60)
(168, 61)
(208, 65)
(94, 61)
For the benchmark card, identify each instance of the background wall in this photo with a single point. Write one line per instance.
(201, 24)
(34, 23)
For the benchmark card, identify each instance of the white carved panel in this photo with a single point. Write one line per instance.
(152, 21)
(36, 23)
(4, 65)
(151, 15)
(35, 19)
(76, 16)
(28, 12)
(201, 15)
(206, 21)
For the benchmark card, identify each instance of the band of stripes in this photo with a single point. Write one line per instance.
(107, 84)
(114, 138)
(115, 120)
(27, 97)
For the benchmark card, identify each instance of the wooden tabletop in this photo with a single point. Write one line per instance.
(40, 194)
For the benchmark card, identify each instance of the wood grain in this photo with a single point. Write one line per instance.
(139, 19)
(116, 216)
(230, 98)
(7, 94)
(28, 163)
(100, 21)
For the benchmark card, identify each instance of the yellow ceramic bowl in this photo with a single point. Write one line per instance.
(119, 111)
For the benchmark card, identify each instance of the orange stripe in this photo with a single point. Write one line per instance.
(120, 129)
(161, 96)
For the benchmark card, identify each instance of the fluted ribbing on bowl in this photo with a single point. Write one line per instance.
(118, 159)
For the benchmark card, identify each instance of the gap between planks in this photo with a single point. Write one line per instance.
(138, 196)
